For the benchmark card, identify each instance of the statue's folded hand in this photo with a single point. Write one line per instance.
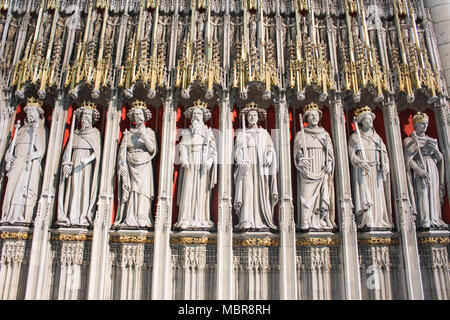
(305, 163)
(206, 166)
(123, 172)
(9, 158)
(67, 169)
(244, 167)
(422, 173)
(366, 164)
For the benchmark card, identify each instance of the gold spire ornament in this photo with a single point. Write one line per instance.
(199, 63)
(411, 61)
(308, 64)
(362, 68)
(255, 56)
(140, 66)
(34, 67)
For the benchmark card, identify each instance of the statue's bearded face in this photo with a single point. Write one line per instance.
(86, 120)
(139, 117)
(252, 118)
(197, 115)
(367, 122)
(32, 114)
(197, 121)
(313, 118)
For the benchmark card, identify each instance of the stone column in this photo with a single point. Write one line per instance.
(163, 222)
(15, 254)
(437, 25)
(103, 217)
(440, 16)
(402, 206)
(46, 204)
(7, 116)
(225, 222)
(225, 288)
(442, 117)
(349, 243)
(288, 274)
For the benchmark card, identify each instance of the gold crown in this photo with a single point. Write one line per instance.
(138, 104)
(312, 106)
(200, 104)
(252, 105)
(33, 102)
(419, 117)
(88, 105)
(362, 110)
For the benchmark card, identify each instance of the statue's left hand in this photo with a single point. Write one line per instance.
(85, 161)
(206, 166)
(143, 132)
(433, 146)
(329, 167)
(35, 155)
(269, 159)
(442, 192)
(28, 165)
(385, 171)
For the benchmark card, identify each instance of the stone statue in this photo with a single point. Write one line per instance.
(24, 166)
(256, 190)
(425, 172)
(370, 174)
(136, 186)
(80, 176)
(314, 161)
(198, 173)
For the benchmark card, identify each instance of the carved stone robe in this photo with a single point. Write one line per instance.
(194, 189)
(23, 185)
(77, 193)
(137, 191)
(256, 193)
(426, 199)
(371, 195)
(315, 203)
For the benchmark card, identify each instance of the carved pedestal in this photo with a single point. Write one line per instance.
(379, 263)
(15, 253)
(193, 266)
(70, 264)
(256, 266)
(318, 267)
(434, 264)
(130, 265)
